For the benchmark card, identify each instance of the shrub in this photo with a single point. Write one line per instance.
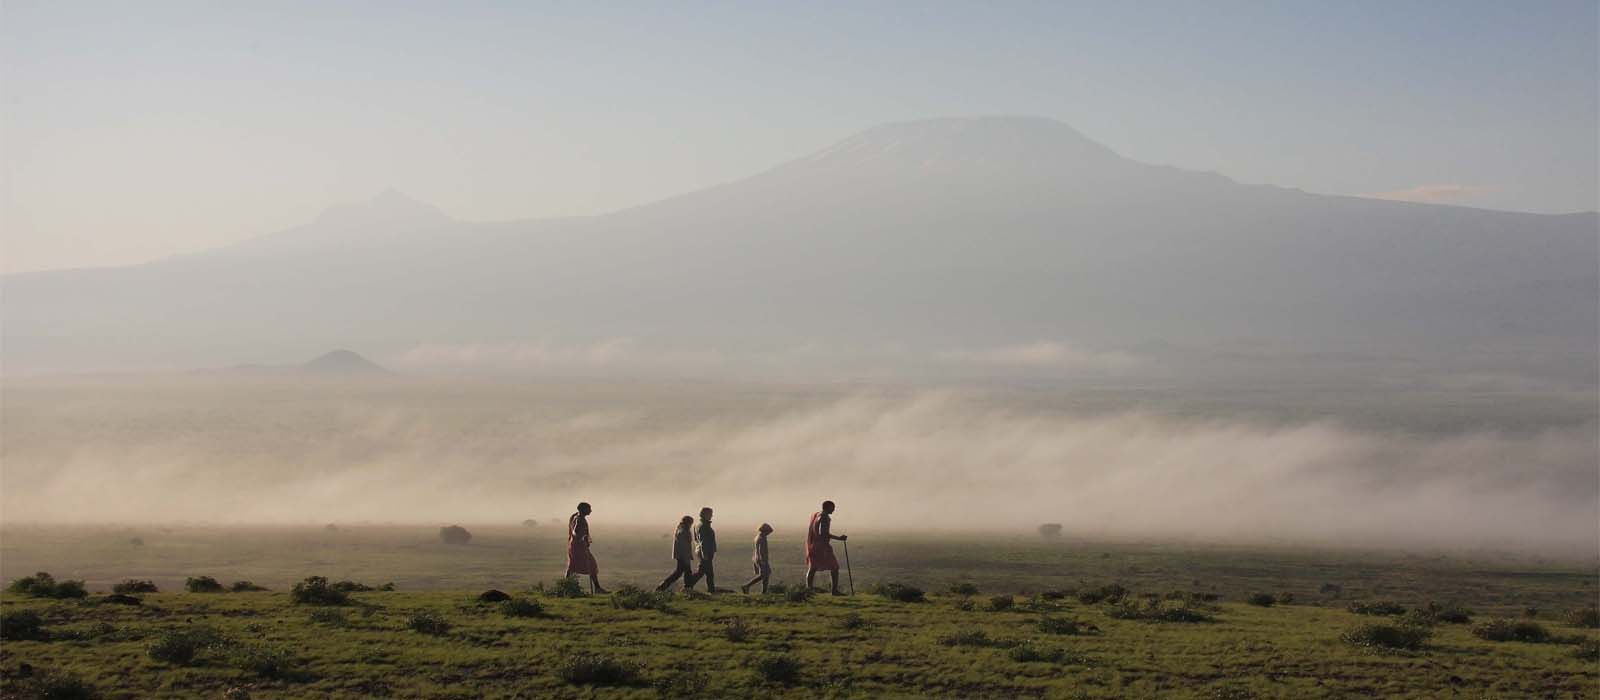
(564, 588)
(1053, 594)
(900, 592)
(966, 638)
(493, 596)
(43, 585)
(1506, 630)
(454, 534)
(1050, 530)
(265, 662)
(1030, 653)
(1379, 636)
(799, 594)
(428, 622)
(1264, 600)
(1001, 603)
(352, 587)
(778, 668)
(316, 591)
(119, 599)
(1057, 625)
(181, 646)
(631, 597)
(963, 589)
(682, 682)
(58, 685)
(595, 669)
(1113, 593)
(130, 586)
(1379, 608)
(853, 621)
(521, 607)
(329, 616)
(1154, 611)
(966, 605)
(1436, 614)
(1584, 617)
(202, 584)
(21, 624)
(736, 630)
(245, 587)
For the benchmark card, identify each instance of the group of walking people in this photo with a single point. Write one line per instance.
(698, 541)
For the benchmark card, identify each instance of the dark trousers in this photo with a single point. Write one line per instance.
(683, 570)
(706, 572)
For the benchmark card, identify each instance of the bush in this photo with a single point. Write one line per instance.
(1263, 600)
(1584, 617)
(799, 594)
(1387, 636)
(1379, 608)
(595, 669)
(1436, 614)
(265, 662)
(853, 621)
(1031, 653)
(736, 630)
(900, 592)
(428, 622)
(493, 595)
(966, 605)
(43, 585)
(1113, 593)
(202, 584)
(1001, 603)
(316, 591)
(181, 646)
(1154, 611)
(963, 589)
(1053, 594)
(21, 624)
(563, 588)
(778, 668)
(454, 534)
(1056, 625)
(1285, 598)
(521, 607)
(683, 682)
(329, 616)
(58, 685)
(631, 597)
(966, 638)
(130, 586)
(119, 599)
(357, 587)
(245, 587)
(1506, 630)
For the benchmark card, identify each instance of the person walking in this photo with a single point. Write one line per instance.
(819, 547)
(760, 561)
(705, 547)
(682, 553)
(580, 560)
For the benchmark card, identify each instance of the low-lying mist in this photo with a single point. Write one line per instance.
(271, 452)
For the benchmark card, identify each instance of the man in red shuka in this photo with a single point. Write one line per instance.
(819, 548)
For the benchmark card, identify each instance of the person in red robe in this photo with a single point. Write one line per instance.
(819, 547)
(579, 559)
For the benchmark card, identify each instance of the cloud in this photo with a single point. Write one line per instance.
(1043, 355)
(1435, 193)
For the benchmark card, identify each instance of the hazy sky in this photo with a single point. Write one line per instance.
(133, 131)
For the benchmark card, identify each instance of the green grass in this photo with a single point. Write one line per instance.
(885, 649)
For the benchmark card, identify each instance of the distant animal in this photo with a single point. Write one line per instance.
(1050, 530)
(493, 596)
(454, 534)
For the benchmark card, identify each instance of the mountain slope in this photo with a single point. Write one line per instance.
(924, 235)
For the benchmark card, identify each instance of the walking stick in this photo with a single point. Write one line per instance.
(847, 570)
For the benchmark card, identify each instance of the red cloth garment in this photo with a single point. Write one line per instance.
(819, 551)
(579, 559)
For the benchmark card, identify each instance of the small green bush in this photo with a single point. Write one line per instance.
(1588, 618)
(778, 668)
(43, 585)
(682, 682)
(1001, 603)
(245, 587)
(799, 594)
(853, 621)
(1507, 630)
(1383, 636)
(521, 607)
(266, 662)
(428, 622)
(631, 597)
(1154, 611)
(1057, 625)
(900, 592)
(329, 616)
(1436, 614)
(1379, 608)
(181, 647)
(132, 586)
(967, 638)
(966, 605)
(564, 588)
(736, 630)
(595, 669)
(21, 624)
(1113, 593)
(964, 589)
(202, 584)
(59, 685)
(1032, 653)
(1053, 594)
(316, 591)
(1262, 600)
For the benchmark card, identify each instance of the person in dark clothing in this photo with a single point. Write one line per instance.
(682, 553)
(705, 546)
(580, 558)
(760, 561)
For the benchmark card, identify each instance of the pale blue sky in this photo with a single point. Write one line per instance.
(136, 130)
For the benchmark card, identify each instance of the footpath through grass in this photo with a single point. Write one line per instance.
(1086, 644)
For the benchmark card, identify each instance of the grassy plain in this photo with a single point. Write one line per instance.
(862, 646)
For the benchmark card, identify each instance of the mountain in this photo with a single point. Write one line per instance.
(343, 363)
(928, 241)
